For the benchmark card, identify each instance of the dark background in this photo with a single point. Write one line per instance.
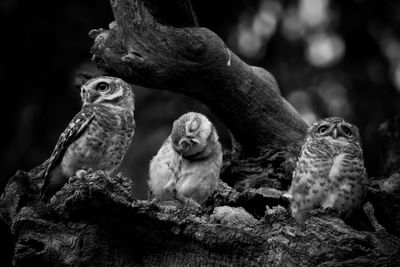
(331, 58)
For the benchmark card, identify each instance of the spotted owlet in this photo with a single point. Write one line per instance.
(189, 162)
(98, 136)
(330, 171)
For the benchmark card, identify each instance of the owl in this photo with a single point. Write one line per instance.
(97, 138)
(189, 161)
(330, 171)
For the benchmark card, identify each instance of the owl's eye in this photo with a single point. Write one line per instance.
(102, 87)
(194, 125)
(346, 130)
(322, 129)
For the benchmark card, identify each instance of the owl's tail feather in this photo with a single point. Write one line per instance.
(53, 183)
(297, 213)
(37, 173)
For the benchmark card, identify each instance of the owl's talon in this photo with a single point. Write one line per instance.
(79, 174)
(170, 188)
(288, 196)
(187, 202)
(370, 213)
(154, 201)
(329, 211)
(72, 179)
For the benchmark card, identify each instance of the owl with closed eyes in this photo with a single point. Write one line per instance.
(97, 138)
(189, 161)
(330, 171)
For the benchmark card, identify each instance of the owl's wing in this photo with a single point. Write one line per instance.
(74, 130)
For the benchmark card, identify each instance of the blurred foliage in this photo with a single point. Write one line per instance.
(331, 58)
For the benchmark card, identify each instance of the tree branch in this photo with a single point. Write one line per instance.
(143, 49)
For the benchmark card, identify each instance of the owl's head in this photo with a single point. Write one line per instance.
(194, 136)
(335, 128)
(106, 89)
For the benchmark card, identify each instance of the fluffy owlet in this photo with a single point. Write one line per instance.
(330, 171)
(189, 161)
(98, 136)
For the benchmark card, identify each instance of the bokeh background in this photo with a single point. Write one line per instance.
(331, 58)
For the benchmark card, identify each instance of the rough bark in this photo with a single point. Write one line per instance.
(385, 190)
(96, 221)
(389, 135)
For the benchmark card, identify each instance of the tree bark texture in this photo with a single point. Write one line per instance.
(96, 220)
(389, 134)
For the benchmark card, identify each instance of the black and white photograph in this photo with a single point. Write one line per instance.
(200, 133)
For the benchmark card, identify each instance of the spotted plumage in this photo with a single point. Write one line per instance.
(98, 136)
(189, 161)
(330, 171)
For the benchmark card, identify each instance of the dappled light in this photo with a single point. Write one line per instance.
(255, 28)
(324, 49)
(303, 103)
(334, 97)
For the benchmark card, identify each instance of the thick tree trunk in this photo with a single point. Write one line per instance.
(97, 221)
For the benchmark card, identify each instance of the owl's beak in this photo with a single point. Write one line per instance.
(89, 96)
(184, 144)
(195, 141)
(83, 92)
(335, 133)
(86, 95)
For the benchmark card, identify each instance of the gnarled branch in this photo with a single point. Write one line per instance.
(144, 49)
